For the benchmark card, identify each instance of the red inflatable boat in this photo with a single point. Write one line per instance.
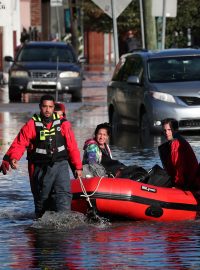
(133, 200)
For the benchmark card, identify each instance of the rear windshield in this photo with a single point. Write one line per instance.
(174, 69)
(46, 54)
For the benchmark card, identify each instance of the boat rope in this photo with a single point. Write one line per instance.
(85, 192)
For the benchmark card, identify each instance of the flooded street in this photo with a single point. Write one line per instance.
(70, 242)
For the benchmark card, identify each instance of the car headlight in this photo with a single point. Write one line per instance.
(163, 96)
(19, 73)
(69, 74)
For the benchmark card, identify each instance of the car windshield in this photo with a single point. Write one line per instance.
(46, 54)
(176, 69)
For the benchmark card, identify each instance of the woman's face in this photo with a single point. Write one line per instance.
(168, 132)
(102, 136)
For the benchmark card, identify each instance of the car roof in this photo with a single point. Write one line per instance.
(165, 53)
(47, 44)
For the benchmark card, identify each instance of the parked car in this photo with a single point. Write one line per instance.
(45, 67)
(148, 86)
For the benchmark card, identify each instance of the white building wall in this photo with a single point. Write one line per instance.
(10, 21)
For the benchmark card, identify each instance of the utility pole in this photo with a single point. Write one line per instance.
(74, 23)
(150, 26)
(115, 32)
(142, 24)
(163, 24)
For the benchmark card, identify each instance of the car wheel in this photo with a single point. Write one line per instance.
(115, 120)
(14, 95)
(144, 124)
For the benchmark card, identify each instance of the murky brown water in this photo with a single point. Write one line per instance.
(70, 242)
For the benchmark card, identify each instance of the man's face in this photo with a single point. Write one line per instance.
(47, 108)
(168, 132)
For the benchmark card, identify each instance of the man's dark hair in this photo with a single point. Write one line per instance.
(104, 126)
(47, 97)
(172, 122)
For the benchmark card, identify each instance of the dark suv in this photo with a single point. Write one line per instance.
(148, 86)
(45, 67)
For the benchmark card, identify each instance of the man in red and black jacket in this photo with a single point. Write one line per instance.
(53, 144)
(178, 158)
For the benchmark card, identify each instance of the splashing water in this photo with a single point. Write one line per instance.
(67, 220)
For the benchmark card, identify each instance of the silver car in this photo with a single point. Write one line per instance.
(148, 86)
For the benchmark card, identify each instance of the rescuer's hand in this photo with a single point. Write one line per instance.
(4, 167)
(78, 173)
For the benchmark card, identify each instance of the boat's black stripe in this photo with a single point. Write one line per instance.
(141, 200)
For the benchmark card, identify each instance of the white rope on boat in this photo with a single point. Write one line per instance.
(85, 192)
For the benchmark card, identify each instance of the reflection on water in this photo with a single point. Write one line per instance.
(128, 140)
(136, 149)
(125, 245)
(57, 242)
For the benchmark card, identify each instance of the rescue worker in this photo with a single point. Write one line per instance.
(53, 144)
(178, 158)
(60, 109)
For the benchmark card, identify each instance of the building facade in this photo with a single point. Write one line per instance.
(43, 20)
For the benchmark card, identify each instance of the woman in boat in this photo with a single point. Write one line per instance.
(178, 158)
(97, 151)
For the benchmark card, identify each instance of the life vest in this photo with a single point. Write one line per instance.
(50, 144)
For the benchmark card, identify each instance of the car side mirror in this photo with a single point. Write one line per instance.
(133, 80)
(8, 59)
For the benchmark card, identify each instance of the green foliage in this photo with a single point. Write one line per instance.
(187, 17)
(96, 20)
(176, 28)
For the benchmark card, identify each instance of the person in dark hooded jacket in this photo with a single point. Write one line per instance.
(178, 157)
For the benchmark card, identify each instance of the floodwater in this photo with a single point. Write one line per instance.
(70, 241)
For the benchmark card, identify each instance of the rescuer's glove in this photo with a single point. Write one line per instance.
(5, 165)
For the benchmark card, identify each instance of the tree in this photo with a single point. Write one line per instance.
(176, 28)
(187, 18)
(96, 20)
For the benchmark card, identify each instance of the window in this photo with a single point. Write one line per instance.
(118, 70)
(47, 54)
(132, 67)
(174, 69)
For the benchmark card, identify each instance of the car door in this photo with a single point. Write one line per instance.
(130, 92)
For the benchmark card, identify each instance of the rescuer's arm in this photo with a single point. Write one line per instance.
(18, 147)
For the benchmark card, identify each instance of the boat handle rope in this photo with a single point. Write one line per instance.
(85, 192)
